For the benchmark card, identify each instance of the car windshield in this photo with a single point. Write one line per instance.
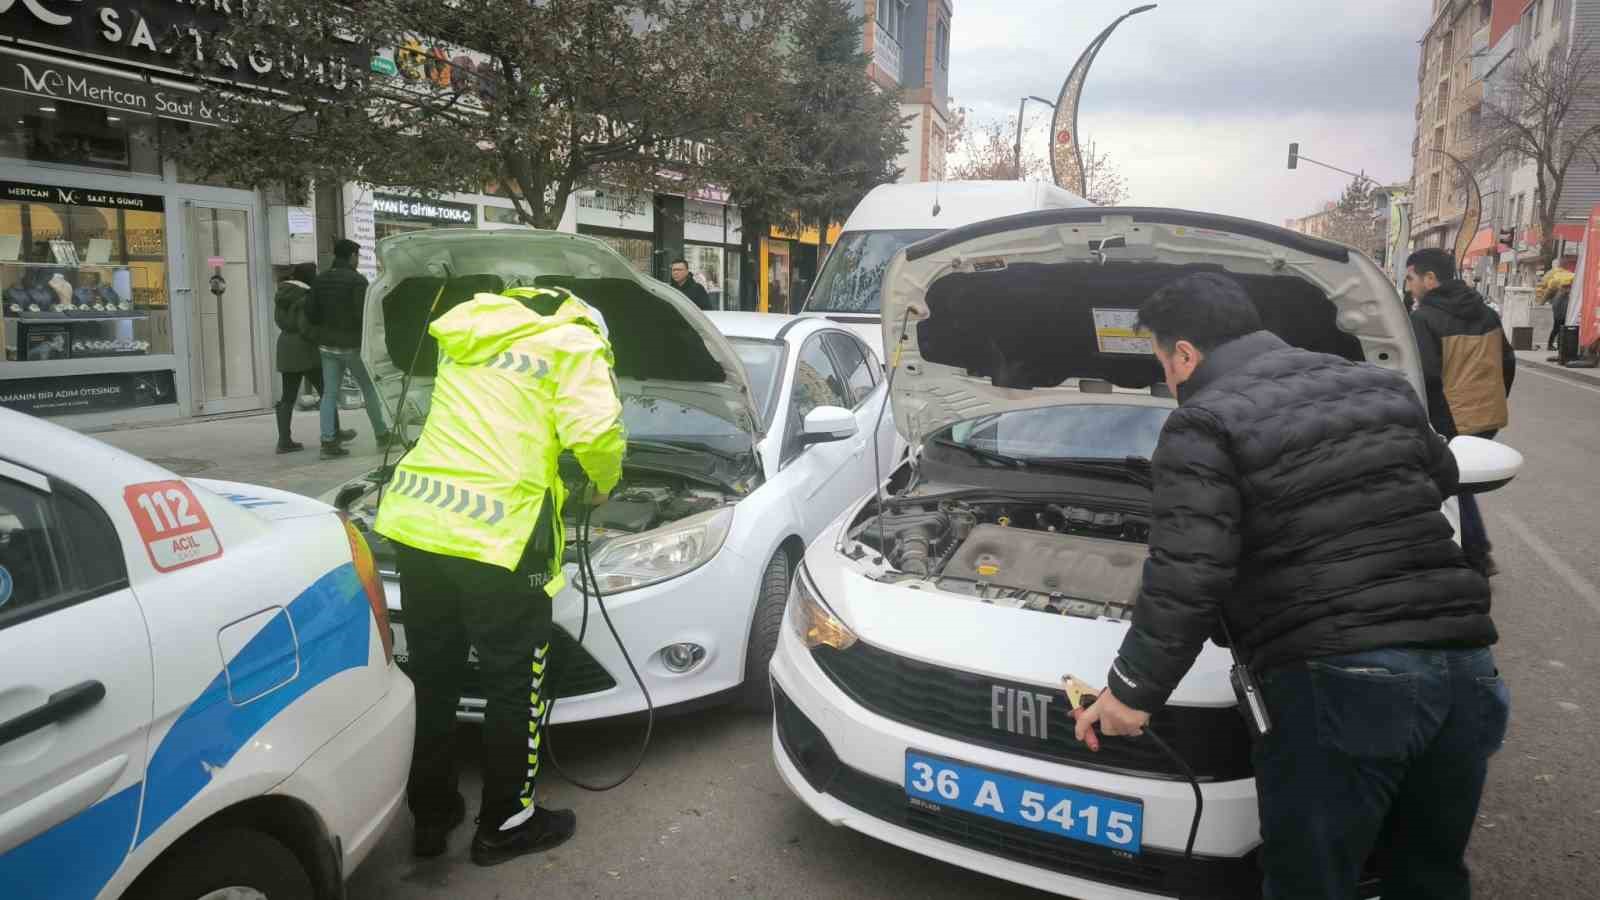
(1076, 431)
(760, 360)
(661, 420)
(853, 275)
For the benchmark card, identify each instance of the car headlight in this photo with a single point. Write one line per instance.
(624, 564)
(811, 619)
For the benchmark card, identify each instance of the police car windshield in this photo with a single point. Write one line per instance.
(853, 275)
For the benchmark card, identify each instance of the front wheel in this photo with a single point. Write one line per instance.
(230, 864)
(765, 627)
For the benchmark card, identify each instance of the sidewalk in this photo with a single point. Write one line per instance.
(1536, 360)
(242, 449)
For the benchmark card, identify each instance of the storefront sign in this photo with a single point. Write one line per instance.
(66, 81)
(65, 196)
(68, 395)
(154, 34)
(623, 210)
(703, 223)
(414, 209)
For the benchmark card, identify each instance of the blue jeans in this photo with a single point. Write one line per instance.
(334, 364)
(1383, 750)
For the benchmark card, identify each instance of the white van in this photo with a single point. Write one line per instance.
(892, 216)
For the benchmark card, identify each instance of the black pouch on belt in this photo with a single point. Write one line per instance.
(543, 542)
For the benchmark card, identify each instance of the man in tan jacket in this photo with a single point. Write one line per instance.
(1468, 366)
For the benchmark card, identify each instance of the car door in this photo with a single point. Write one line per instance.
(819, 472)
(862, 377)
(75, 690)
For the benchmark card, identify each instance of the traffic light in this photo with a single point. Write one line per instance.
(1294, 156)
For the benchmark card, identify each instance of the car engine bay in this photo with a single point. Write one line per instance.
(1065, 558)
(646, 499)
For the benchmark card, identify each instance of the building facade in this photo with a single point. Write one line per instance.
(909, 42)
(1449, 99)
(132, 290)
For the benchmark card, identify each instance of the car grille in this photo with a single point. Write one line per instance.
(573, 671)
(959, 705)
(1155, 871)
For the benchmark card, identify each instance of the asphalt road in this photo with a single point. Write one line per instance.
(707, 815)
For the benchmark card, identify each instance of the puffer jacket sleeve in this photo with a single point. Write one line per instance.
(588, 412)
(1194, 553)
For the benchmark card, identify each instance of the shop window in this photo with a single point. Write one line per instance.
(706, 264)
(80, 281)
(501, 215)
(636, 250)
(47, 130)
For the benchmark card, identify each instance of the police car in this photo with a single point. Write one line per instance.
(918, 683)
(196, 691)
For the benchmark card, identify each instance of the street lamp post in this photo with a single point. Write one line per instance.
(1016, 148)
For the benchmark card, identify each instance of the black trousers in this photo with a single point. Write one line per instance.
(450, 604)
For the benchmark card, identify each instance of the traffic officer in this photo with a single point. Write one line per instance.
(475, 512)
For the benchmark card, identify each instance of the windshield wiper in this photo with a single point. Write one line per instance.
(1132, 468)
(657, 446)
(986, 455)
(685, 448)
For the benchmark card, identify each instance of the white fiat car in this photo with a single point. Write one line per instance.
(917, 685)
(747, 435)
(197, 697)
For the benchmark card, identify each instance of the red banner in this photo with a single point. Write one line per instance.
(1589, 316)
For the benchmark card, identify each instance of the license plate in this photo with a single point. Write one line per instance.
(942, 784)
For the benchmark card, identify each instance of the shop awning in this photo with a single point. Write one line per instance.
(1572, 232)
(1483, 243)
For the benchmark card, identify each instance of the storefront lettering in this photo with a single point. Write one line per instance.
(162, 34)
(10, 190)
(52, 83)
(421, 209)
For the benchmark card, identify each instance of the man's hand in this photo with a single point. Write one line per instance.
(1114, 717)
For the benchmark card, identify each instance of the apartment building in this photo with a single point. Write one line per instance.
(1449, 99)
(909, 41)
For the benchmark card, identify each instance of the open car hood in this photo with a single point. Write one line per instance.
(1038, 309)
(657, 334)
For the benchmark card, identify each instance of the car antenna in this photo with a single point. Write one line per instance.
(877, 429)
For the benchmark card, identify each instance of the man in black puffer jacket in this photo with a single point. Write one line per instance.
(1296, 496)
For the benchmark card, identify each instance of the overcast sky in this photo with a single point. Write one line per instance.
(1197, 100)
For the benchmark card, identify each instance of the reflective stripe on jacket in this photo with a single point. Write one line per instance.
(514, 389)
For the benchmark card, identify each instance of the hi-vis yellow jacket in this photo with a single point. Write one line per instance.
(514, 388)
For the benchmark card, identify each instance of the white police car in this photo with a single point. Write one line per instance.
(196, 690)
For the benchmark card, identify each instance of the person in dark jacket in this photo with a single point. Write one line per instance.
(684, 281)
(1296, 497)
(1468, 366)
(336, 309)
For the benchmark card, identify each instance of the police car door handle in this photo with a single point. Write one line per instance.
(62, 705)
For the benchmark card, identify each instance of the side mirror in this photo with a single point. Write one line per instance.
(827, 425)
(1485, 465)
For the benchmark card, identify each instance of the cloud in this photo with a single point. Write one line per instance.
(1197, 101)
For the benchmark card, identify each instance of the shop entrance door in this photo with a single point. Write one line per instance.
(223, 326)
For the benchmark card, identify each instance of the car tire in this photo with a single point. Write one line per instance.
(765, 626)
(252, 864)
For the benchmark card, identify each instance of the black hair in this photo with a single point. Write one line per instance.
(679, 260)
(1432, 259)
(303, 272)
(1206, 309)
(344, 248)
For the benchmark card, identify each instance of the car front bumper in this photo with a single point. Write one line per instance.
(847, 764)
(709, 607)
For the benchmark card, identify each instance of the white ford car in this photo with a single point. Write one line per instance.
(747, 435)
(917, 687)
(197, 698)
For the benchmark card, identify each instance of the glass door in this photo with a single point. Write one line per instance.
(223, 338)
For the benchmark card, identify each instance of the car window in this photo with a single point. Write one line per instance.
(852, 275)
(856, 369)
(816, 382)
(56, 547)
